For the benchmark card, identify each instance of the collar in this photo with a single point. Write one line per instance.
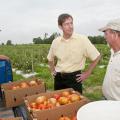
(72, 37)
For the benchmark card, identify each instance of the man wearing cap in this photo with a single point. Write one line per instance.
(111, 83)
(71, 51)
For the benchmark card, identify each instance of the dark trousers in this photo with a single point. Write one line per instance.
(67, 80)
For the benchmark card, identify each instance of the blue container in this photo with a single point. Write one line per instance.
(5, 71)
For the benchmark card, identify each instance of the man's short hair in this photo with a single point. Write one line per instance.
(62, 18)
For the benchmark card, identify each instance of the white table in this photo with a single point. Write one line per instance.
(100, 110)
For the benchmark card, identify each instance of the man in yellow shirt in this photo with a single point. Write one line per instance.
(71, 50)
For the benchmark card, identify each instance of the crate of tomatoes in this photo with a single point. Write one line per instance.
(54, 105)
(14, 92)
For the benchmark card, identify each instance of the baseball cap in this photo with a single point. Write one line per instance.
(114, 25)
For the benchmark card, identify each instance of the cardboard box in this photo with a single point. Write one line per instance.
(14, 98)
(17, 118)
(56, 112)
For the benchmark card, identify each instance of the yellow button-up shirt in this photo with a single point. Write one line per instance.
(71, 54)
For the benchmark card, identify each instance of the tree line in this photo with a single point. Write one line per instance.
(48, 40)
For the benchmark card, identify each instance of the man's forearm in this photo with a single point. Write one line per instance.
(86, 74)
(93, 64)
(51, 66)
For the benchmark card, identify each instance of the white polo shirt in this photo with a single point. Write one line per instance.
(111, 84)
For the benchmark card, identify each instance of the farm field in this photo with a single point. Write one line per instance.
(32, 58)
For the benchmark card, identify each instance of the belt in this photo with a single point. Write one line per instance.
(72, 73)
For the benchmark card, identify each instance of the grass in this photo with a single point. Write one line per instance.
(44, 73)
(16, 77)
(91, 86)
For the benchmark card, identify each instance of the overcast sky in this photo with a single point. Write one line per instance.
(23, 20)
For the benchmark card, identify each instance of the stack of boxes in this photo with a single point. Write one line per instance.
(15, 94)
